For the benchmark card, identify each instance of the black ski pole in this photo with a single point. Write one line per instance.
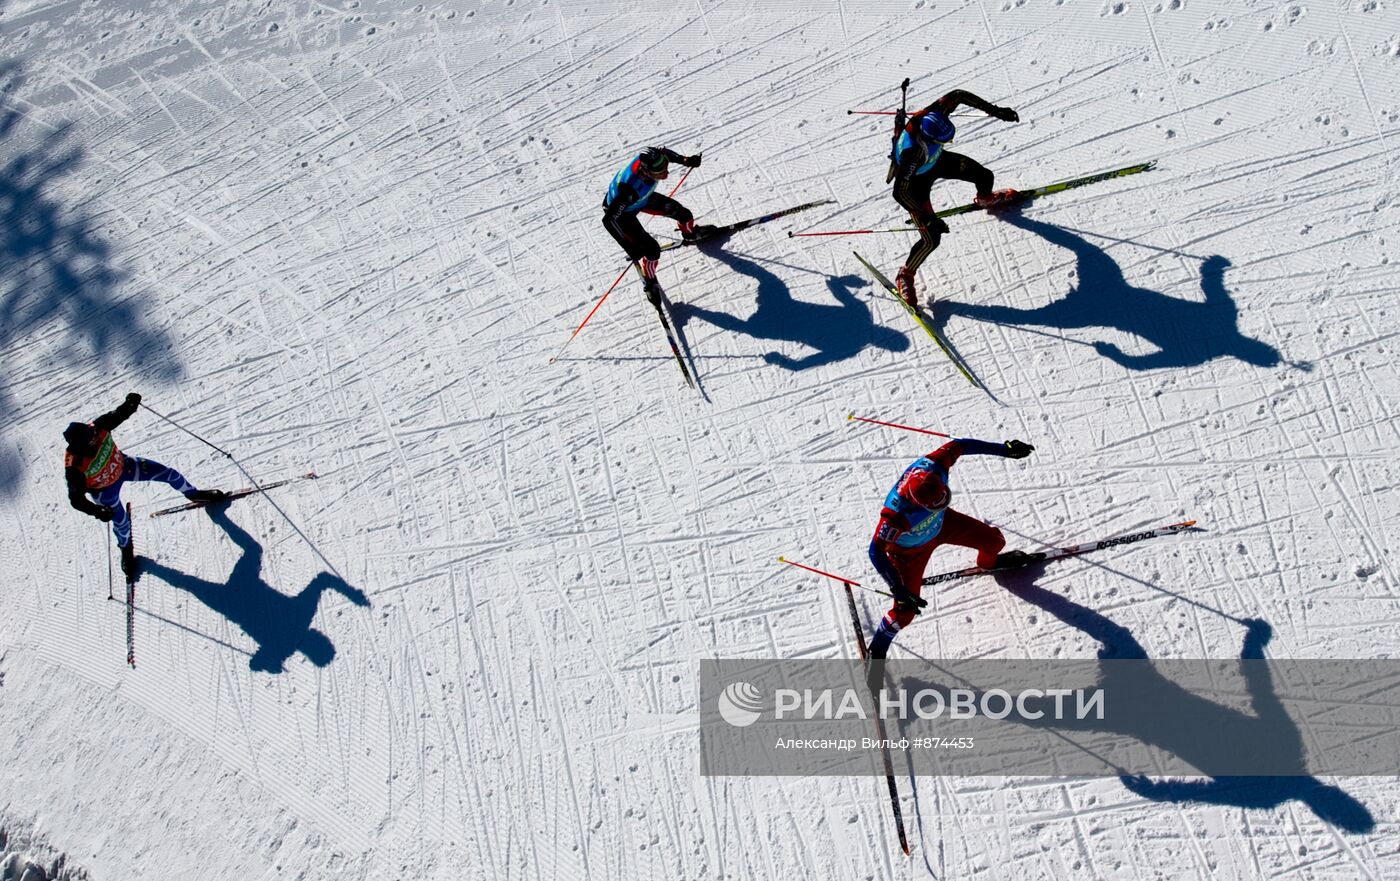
(214, 447)
(257, 486)
(899, 120)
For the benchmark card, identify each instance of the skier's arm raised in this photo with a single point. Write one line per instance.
(109, 421)
(687, 161)
(956, 98)
(950, 452)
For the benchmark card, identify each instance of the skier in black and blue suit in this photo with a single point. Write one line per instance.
(920, 158)
(633, 191)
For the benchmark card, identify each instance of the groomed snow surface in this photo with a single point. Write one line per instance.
(349, 236)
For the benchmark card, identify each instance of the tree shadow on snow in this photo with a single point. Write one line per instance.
(1184, 333)
(59, 285)
(835, 332)
(1267, 728)
(279, 624)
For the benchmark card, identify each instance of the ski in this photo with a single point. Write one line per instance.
(131, 597)
(236, 494)
(1021, 198)
(879, 727)
(1048, 189)
(666, 326)
(745, 224)
(917, 316)
(1060, 553)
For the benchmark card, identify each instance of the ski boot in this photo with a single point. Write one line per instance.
(904, 284)
(653, 290)
(130, 568)
(996, 200)
(693, 233)
(1014, 560)
(646, 268)
(206, 496)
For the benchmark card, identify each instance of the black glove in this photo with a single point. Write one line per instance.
(133, 400)
(932, 222)
(1006, 114)
(1016, 449)
(693, 161)
(104, 514)
(910, 603)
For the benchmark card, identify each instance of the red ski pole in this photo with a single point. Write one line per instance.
(852, 416)
(853, 232)
(835, 577)
(615, 283)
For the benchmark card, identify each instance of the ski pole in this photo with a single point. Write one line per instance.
(946, 212)
(615, 283)
(217, 449)
(149, 614)
(886, 113)
(257, 486)
(845, 581)
(852, 416)
(853, 232)
(131, 601)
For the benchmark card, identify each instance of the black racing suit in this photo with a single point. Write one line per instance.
(911, 189)
(620, 211)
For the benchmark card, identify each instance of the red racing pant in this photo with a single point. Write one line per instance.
(958, 529)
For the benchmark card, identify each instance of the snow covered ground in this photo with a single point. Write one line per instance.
(349, 235)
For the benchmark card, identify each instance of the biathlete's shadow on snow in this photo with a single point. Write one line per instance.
(1185, 332)
(59, 285)
(279, 624)
(1269, 720)
(835, 332)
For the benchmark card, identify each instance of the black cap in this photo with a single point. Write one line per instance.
(79, 434)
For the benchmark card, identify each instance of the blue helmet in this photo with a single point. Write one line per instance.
(937, 127)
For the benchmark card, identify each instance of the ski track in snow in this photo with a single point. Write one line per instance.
(350, 235)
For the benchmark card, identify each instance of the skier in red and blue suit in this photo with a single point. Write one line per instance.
(94, 466)
(916, 520)
(633, 191)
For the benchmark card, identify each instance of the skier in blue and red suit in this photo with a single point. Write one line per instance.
(633, 190)
(916, 520)
(93, 465)
(920, 158)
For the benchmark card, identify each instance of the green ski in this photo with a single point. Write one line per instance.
(1022, 198)
(1072, 183)
(917, 316)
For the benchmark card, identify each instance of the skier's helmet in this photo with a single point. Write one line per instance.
(79, 435)
(928, 490)
(936, 127)
(654, 163)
